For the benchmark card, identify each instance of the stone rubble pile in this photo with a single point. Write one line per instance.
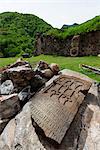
(22, 88)
(18, 83)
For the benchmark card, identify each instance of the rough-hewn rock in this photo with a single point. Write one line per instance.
(37, 82)
(45, 70)
(3, 123)
(54, 107)
(80, 45)
(84, 132)
(41, 65)
(7, 136)
(6, 87)
(25, 94)
(20, 76)
(19, 134)
(9, 106)
(20, 63)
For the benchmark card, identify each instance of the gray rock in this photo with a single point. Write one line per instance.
(3, 123)
(20, 76)
(9, 106)
(6, 87)
(37, 82)
(20, 62)
(41, 66)
(25, 94)
(7, 136)
(55, 106)
(84, 132)
(19, 133)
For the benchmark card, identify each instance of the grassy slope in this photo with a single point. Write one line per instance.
(64, 62)
(88, 26)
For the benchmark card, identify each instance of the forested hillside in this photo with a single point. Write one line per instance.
(17, 32)
(69, 30)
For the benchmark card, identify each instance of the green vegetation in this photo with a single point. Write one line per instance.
(64, 62)
(18, 31)
(91, 25)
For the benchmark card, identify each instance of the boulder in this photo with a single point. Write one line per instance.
(37, 82)
(89, 138)
(45, 70)
(3, 123)
(20, 133)
(19, 62)
(7, 136)
(47, 73)
(84, 131)
(55, 106)
(25, 94)
(41, 66)
(9, 106)
(6, 87)
(20, 76)
(55, 68)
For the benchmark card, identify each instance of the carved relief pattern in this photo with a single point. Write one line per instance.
(54, 108)
(64, 89)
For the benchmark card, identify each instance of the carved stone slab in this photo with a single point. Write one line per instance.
(54, 107)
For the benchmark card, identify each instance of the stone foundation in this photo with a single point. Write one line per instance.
(80, 45)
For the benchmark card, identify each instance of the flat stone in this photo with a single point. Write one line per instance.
(19, 63)
(6, 87)
(84, 131)
(55, 107)
(9, 106)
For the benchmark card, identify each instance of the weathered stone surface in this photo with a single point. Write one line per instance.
(25, 94)
(45, 70)
(3, 123)
(54, 107)
(84, 131)
(9, 106)
(7, 136)
(85, 44)
(19, 133)
(92, 142)
(41, 65)
(83, 134)
(75, 42)
(20, 63)
(20, 76)
(6, 87)
(37, 82)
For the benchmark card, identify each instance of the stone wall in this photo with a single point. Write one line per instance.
(79, 45)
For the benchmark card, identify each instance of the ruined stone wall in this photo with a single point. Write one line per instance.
(90, 43)
(79, 45)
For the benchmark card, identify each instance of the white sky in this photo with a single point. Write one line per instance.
(55, 12)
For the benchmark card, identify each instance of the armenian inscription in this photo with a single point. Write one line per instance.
(54, 107)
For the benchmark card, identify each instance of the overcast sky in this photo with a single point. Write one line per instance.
(55, 12)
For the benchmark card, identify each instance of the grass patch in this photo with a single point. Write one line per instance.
(64, 62)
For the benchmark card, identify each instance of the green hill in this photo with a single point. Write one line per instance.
(91, 25)
(18, 31)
